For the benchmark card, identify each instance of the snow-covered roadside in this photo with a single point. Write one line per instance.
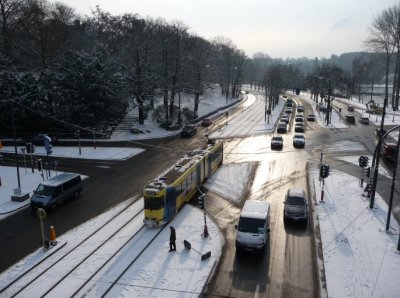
(360, 256)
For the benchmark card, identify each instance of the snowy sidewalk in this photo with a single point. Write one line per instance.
(360, 256)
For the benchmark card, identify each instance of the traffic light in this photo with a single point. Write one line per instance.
(324, 171)
(28, 148)
(363, 161)
(201, 201)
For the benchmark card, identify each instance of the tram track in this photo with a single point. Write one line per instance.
(41, 266)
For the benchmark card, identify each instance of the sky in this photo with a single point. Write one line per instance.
(281, 29)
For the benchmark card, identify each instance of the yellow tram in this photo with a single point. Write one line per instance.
(166, 194)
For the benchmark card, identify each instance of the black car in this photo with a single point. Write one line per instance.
(311, 118)
(188, 131)
(350, 119)
(299, 127)
(277, 142)
(296, 206)
(282, 127)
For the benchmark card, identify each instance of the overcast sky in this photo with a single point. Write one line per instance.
(279, 28)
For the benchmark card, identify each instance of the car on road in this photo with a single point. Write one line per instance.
(350, 108)
(288, 110)
(277, 142)
(285, 119)
(282, 127)
(299, 127)
(296, 206)
(311, 118)
(206, 122)
(299, 118)
(300, 108)
(299, 141)
(253, 227)
(350, 119)
(364, 120)
(388, 151)
(188, 130)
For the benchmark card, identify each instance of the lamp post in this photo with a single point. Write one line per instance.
(15, 146)
(15, 139)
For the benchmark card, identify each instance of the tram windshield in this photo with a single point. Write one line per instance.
(153, 203)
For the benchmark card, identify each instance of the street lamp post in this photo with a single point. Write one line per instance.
(15, 145)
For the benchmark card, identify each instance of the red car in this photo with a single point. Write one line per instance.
(388, 150)
(206, 122)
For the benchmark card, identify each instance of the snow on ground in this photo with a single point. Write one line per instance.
(231, 180)
(360, 257)
(104, 153)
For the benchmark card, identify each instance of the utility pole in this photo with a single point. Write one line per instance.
(377, 156)
(15, 145)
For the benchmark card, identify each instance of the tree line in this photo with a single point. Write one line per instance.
(85, 71)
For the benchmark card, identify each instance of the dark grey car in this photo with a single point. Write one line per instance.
(296, 206)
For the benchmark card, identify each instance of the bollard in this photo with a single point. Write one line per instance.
(53, 240)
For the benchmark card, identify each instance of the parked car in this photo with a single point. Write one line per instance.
(311, 118)
(282, 127)
(350, 119)
(288, 110)
(322, 108)
(350, 108)
(364, 120)
(206, 122)
(296, 206)
(277, 142)
(188, 130)
(300, 108)
(289, 104)
(299, 127)
(299, 141)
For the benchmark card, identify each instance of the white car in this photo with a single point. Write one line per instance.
(299, 141)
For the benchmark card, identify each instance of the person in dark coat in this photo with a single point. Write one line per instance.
(172, 238)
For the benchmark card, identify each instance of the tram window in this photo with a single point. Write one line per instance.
(153, 203)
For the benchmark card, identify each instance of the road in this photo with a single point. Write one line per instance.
(287, 267)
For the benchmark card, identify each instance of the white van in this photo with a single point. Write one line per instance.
(253, 227)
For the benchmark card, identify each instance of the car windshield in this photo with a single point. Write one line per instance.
(295, 201)
(44, 190)
(251, 225)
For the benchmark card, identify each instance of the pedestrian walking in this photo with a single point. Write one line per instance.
(172, 239)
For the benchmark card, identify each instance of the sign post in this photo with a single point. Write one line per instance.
(41, 214)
